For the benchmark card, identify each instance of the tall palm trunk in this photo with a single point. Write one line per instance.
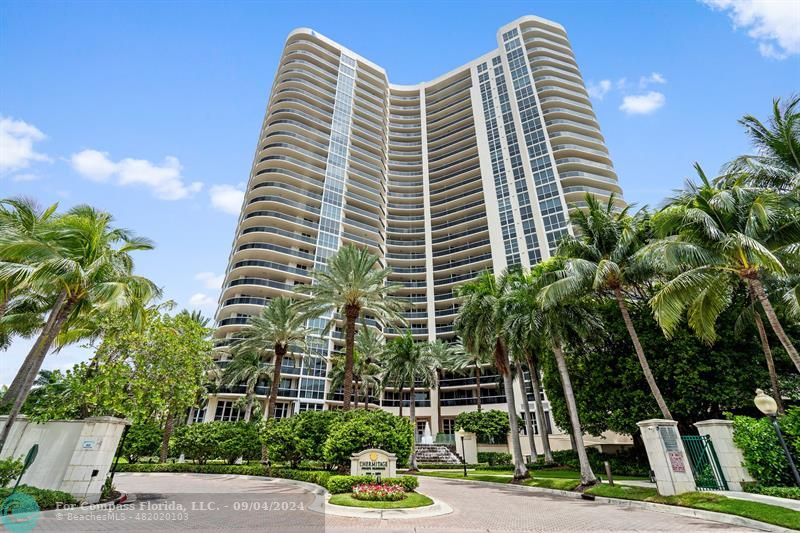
(355, 391)
(272, 402)
(351, 315)
(248, 408)
(439, 426)
(773, 376)
(169, 426)
(648, 374)
(33, 362)
(772, 318)
(478, 386)
(587, 476)
(501, 358)
(527, 409)
(540, 416)
(412, 415)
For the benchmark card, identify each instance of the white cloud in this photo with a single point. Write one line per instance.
(93, 165)
(774, 24)
(642, 104)
(210, 280)
(164, 181)
(16, 144)
(202, 301)
(226, 198)
(653, 79)
(599, 90)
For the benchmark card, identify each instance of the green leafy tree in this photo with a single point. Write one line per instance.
(282, 440)
(86, 263)
(602, 260)
(611, 396)
(442, 352)
(353, 284)
(716, 238)
(490, 427)
(409, 364)
(312, 429)
(363, 429)
(367, 372)
(142, 440)
(481, 326)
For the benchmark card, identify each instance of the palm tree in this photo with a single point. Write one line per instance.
(442, 352)
(480, 323)
(527, 341)
(366, 371)
(272, 333)
(407, 362)
(717, 237)
(352, 284)
(777, 144)
(247, 367)
(196, 316)
(86, 263)
(464, 359)
(602, 260)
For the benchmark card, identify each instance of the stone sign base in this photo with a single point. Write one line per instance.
(373, 462)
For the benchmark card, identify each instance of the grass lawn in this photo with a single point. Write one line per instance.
(552, 483)
(566, 480)
(412, 499)
(475, 475)
(771, 514)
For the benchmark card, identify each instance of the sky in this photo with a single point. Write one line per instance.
(151, 110)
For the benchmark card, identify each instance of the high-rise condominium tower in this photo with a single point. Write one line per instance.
(474, 170)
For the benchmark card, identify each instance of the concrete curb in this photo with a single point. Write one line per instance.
(634, 504)
(438, 508)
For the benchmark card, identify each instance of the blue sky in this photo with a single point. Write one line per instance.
(151, 110)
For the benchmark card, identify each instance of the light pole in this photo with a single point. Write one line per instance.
(767, 405)
(460, 433)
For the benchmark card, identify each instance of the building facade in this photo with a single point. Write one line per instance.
(474, 170)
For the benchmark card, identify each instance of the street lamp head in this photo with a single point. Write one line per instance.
(765, 403)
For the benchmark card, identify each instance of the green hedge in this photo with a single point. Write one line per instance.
(793, 493)
(343, 484)
(45, 499)
(623, 463)
(491, 426)
(217, 440)
(361, 429)
(763, 456)
(494, 458)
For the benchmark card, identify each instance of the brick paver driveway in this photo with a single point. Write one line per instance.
(205, 503)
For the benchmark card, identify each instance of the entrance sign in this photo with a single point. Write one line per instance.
(373, 462)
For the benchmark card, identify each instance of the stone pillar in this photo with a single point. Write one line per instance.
(730, 457)
(667, 457)
(470, 446)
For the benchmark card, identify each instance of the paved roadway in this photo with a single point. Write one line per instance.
(222, 503)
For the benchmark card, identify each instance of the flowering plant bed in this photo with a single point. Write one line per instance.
(379, 492)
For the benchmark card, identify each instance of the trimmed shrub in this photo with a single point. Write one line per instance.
(282, 440)
(45, 498)
(343, 484)
(793, 493)
(312, 429)
(10, 469)
(623, 463)
(494, 458)
(142, 440)
(236, 439)
(196, 441)
(763, 455)
(491, 427)
(363, 429)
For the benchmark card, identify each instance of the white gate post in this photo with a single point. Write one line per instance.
(667, 456)
(730, 457)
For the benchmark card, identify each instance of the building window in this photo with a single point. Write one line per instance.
(449, 426)
(226, 412)
(198, 416)
(283, 410)
(304, 406)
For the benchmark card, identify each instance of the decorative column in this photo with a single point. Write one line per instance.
(667, 457)
(730, 457)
